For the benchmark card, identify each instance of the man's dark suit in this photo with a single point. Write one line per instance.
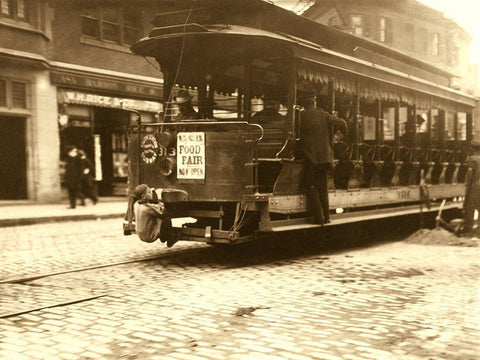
(315, 145)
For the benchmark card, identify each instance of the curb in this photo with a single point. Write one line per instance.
(50, 219)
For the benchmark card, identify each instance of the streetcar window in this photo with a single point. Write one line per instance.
(449, 125)
(462, 126)
(388, 114)
(435, 125)
(403, 117)
(369, 127)
(422, 121)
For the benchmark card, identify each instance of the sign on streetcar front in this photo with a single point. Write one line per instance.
(191, 156)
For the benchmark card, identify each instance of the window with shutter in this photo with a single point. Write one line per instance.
(19, 95)
(389, 31)
(16, 9)
(3, 93)
(382, 29)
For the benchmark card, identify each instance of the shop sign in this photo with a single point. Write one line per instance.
(95, 83)
(191, 155)
(75, 97)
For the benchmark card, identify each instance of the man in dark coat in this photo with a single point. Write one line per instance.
(184, 103)
(315, 144)
(87, 185)
(472, 187)
(73, 175)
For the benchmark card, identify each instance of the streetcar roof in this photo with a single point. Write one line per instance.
(226, 45)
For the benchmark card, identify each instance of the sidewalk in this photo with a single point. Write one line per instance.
(14, 213)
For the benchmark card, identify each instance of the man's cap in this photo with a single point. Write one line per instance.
(182, 96)
(140, 190)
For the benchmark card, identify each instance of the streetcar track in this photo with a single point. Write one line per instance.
(48, 306)
(28, 278)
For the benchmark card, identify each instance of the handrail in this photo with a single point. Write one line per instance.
(196, 123)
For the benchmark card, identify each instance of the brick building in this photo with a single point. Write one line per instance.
(66, 72)
(407, 26)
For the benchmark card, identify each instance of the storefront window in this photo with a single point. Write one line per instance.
(119, 153)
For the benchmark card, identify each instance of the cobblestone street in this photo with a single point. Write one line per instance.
(392, 300)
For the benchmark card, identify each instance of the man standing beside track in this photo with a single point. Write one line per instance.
(316, 128)
(472, 187)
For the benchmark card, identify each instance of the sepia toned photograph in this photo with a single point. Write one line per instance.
(239, 179)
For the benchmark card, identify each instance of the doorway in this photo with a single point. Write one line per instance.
(13, 159)
(111, 126)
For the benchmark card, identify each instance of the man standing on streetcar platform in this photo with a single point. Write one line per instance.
(472, 187)
(315, 145)
(184, 103)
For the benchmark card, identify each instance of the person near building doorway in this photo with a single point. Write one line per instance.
(73, 175)
(87, 185)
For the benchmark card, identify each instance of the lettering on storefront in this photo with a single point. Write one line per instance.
(93, 83)
(191, 155)
(76, 97)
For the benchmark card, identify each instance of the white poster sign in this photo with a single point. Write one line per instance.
(191, 155)
(98, 157)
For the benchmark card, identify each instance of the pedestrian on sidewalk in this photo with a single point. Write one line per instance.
(73, 175)
(88, 189)
(151, 222)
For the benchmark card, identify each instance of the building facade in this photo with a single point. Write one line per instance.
(67, 77)
(407, 26)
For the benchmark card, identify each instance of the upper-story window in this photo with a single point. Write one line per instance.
(16, 9)
(385, 33)
(332, 21)
(115, 25)
(435, 44)
(410, 36)
(423, 40)
(357, 22)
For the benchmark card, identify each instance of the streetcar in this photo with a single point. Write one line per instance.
(235, 176)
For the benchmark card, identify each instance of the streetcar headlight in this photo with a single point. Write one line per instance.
(165, 139)
(339, 210)
(167, 165)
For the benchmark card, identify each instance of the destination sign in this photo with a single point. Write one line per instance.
(191, 155)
